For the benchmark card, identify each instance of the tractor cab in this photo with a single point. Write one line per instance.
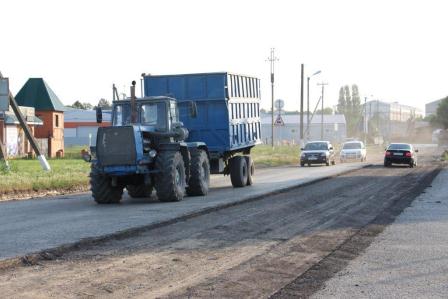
(157, 114)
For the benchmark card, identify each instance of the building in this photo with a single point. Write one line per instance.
(80, 126)
(37, 94)
(12, 134)
(335, 129)
(392, 121)
(431, 108)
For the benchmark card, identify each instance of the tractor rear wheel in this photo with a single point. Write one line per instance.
(102, 190)
(137, 191)
(238, 171)
(251, 170)
(170, 181)
(199, 181)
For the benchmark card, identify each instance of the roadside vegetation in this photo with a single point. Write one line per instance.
(26, 175)
(266, 156)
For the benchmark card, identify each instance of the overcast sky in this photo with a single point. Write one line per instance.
(393, 50)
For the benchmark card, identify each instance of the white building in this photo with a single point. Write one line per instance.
(334, 128)
(431, 108)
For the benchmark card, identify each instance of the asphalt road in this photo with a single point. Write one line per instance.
(29, 226)
(279, 245)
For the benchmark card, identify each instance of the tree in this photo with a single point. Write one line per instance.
(349, 104)
(105, 104)
(442, 113)
(341, 102)
(77, 105)
(327, 110)
(87, 106)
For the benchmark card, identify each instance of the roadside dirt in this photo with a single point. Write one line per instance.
(251, 250)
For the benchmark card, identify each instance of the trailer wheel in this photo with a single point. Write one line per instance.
(102, 190)
(251, 170)
(199, 181)
(238, 171)
(137, 191)
(170, 181)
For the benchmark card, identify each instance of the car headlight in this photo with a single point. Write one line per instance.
(302, 155)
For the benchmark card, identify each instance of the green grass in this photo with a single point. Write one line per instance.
(69, 173)
(445, 156)
(266, 156)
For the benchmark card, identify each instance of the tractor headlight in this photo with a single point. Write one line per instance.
(152, 153)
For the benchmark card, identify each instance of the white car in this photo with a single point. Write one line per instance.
(353, 151)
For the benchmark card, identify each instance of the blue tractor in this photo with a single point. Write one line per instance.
(170, 140)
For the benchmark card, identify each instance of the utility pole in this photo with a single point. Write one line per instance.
(322, 111)
(308, 104)
(26, 129)
(272, 59)
(365, 121)
(301, 106)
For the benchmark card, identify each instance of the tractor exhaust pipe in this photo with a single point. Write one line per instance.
(133, 104)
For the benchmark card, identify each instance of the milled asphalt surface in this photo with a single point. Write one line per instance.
(408, 260)
(30, 226)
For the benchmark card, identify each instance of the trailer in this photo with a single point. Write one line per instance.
(228, 117)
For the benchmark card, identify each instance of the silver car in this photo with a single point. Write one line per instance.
(353, 151)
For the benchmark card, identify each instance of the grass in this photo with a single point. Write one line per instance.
(445, 156)
(266, 156)
(69, 173)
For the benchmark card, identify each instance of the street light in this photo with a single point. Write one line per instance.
(308, 104)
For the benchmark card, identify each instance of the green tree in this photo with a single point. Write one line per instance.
(78, 105)
(342, 105)
(105, 104)
(327, 110)
(442, 113)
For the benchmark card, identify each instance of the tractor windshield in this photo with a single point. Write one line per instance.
(154, 114)
(122, 115)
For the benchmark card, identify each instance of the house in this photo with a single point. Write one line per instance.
(12, 134)
(287, 129)
(392, 120)
(431, 108)
(37, 94)
(80, 126)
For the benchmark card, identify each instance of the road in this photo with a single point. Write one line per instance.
(281, 245)
(29, 226)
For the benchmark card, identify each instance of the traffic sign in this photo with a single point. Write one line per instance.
(279, 121)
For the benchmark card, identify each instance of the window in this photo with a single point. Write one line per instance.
(57, 121)
(154, 114)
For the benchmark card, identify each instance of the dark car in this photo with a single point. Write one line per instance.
(317, 152)
(400, 153)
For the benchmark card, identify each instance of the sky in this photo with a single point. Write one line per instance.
(393, 50)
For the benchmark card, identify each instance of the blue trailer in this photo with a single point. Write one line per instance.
(183, 129)
(228, 106)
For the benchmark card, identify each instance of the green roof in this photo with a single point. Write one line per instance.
(36, 93)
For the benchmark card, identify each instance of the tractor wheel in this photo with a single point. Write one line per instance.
(238, 171)
(137, 191)
(199, 181)
(102, 190)
(170, 181)
(251, 170)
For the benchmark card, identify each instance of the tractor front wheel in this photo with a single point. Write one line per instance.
(102, 190)
(170, 181)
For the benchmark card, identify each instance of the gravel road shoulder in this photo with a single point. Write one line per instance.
(408, 260)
